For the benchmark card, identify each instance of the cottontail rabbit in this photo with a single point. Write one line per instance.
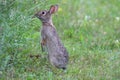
(57, 53)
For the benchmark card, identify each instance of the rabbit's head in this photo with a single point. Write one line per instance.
(45, 15)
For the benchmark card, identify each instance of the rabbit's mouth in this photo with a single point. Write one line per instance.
(37, 16)
(43, 19)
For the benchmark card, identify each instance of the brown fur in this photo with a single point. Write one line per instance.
(58, 55)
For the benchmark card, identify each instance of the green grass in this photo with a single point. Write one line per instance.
(89, 29)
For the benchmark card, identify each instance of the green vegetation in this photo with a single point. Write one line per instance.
(89, 29)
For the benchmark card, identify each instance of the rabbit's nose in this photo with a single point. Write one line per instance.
(33, 16)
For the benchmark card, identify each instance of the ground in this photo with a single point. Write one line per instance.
(88, 29)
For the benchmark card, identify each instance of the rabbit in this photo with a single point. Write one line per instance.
(57, 53)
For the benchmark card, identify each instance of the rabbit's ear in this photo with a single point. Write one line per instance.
(53, 9)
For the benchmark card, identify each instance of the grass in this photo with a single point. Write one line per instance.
(89, 30)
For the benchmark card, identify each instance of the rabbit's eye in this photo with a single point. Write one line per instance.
(43, 13)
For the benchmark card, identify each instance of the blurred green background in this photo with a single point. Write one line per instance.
(89, 29)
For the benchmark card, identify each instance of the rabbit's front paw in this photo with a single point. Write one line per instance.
(43, 43)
